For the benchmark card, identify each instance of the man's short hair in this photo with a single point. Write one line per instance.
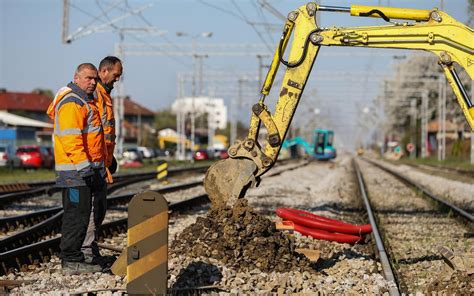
(108, 62)
(85, 66)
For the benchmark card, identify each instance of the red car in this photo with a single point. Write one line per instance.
(201, 155)
(222, 154)
(34, 156)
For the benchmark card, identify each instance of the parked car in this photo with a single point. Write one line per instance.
(8, 156)
(34, 156)
(222, 154)
(132, 154)
(201, 155)
(146, 152)
(162, 153)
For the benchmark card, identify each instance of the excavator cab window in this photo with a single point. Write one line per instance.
(320, 143)
(330, 139)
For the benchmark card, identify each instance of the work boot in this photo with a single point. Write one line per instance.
(104, 261)
(72, 268)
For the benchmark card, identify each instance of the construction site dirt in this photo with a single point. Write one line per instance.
(242, 239)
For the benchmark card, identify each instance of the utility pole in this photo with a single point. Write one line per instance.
(424, 124)
(179, 117)
(440, 117)
(443, 121)
(210, 129)
(139, 126)
(260, 66)
(178, 135)
(413, 126)
(235, 106)
(441, 137)
(200, 72)
(119, 103)
(65, 26)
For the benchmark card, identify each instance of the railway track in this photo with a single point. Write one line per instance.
(411, 228)
(29, 190)
(12, 222)
(395, 210)
(52, 225)
(32, 254)
(27, 242)
(458, 174)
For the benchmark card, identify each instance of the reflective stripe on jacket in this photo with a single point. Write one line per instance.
(106, 110)
(78, 137)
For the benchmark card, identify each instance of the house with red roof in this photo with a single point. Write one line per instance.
(34, 105)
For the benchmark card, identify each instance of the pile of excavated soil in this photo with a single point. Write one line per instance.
(241, 239)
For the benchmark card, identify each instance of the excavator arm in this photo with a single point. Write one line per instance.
(429, 30)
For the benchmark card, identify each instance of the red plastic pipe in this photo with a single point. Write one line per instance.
(310, 220)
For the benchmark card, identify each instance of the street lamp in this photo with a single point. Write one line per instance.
(195, 56)
(139, 124)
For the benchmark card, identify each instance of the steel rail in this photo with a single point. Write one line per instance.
(52, 225)
(457, 210)
(35, 253)
(384, 260)
(15, 196)
(469, 173)
(47, 187)
(13, 222)
(41, 251)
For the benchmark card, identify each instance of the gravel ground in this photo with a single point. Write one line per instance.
(460, 193)
(48, 279)
(31, 204)
(413, 230)
(325, 188)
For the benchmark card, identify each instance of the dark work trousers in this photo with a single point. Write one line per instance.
(77, 203)
(99, 208)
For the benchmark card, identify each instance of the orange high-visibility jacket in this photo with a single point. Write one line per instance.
(106, 111)
(78, 138)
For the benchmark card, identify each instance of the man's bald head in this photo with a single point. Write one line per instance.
(86, 77)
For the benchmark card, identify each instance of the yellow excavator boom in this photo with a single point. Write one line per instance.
(429, 30)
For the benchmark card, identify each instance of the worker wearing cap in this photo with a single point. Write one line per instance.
(79, 151)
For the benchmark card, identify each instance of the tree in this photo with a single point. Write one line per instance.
(418, 73)
(44, 92)
(165, 119)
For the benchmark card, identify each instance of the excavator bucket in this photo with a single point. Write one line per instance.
(227, 180)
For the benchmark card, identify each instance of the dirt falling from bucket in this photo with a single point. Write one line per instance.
(241, 239)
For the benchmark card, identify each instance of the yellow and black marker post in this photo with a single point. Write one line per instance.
(147, 247)
(162, 171)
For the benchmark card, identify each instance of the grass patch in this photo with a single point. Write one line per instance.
(150, 165)
(9, 176)
(25, 175)
(450, 162)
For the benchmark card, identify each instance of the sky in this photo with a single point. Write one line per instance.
(343, 82)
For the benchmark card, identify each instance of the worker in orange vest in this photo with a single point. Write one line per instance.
(79, 151)
(110, 70)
